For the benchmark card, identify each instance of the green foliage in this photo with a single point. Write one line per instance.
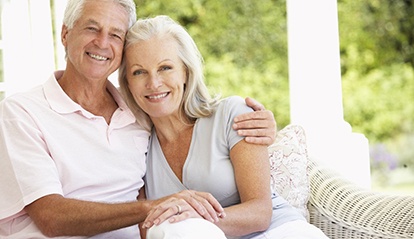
(381, 30)
(380, 103)
(377, 66)
(225, 77)
(377, 57)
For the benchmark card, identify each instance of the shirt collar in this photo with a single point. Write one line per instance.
(60, 102)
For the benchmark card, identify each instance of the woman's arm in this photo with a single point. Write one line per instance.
(252, 172)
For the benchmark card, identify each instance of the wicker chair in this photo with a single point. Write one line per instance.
(343, 211)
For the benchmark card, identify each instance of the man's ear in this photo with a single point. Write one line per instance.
(64, 34)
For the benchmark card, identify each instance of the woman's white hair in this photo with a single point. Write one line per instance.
(197, 102)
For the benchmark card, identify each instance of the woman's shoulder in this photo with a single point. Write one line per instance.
(233, 100)
(233, 105)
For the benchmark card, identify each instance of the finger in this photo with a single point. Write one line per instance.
(177, 210)
(259, 140)
(257, 132)
(255, 124)
(264, 136)
(191, 213)
(218, 209)
(205, 204)
(174, 211)
(154, 216)
(164, 211)
(255, 115)
(207, 212)
(211, 205)
(191, 198)
(254, 104)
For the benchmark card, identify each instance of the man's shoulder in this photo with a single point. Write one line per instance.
(21, 101)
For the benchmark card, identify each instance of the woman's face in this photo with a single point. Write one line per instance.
(156, 76)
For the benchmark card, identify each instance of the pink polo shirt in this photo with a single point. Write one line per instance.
(50, 145)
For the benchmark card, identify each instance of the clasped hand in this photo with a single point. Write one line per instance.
(183, 205)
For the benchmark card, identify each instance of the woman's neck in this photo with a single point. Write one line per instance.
(170, 130)
(175, 141)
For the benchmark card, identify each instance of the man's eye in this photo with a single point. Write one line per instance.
(117, 36)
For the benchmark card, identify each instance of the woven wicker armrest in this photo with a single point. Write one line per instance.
(343, 210)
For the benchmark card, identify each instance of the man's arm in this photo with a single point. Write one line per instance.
(56, 216)
(259, 126)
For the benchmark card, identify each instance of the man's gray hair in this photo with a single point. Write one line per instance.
(74, 9)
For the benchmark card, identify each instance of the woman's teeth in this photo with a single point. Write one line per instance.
(157, 96)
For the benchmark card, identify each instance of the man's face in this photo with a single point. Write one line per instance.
(94, 45)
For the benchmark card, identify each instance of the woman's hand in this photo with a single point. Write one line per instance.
(259, 126)
(183, 205)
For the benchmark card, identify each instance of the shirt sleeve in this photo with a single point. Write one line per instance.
(27, 170)
(232, 107)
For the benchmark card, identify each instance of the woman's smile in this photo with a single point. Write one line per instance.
(157, 96)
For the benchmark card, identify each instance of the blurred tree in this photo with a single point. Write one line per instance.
(377, 66)
(377, 57)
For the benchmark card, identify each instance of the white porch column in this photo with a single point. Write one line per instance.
(28, 44)
(316, 91)
(59, 10)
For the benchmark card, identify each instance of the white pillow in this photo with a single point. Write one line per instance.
(289, 167)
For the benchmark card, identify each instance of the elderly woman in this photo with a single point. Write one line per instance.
(193, 145)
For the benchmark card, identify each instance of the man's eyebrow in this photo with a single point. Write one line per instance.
(115, 29)
(91, 21)
(119, 31)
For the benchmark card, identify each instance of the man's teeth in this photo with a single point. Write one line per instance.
(98, 57)
(157, 96)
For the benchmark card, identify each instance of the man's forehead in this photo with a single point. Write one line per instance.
(104, 14)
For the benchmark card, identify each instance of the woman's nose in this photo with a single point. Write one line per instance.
(154, 81)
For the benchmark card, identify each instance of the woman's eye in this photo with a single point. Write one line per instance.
(138, 72)
(165, 68)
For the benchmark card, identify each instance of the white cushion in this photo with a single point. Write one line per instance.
(289, 167)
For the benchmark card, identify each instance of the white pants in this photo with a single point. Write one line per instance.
(293, 230)
(195, 228)
(192, 228)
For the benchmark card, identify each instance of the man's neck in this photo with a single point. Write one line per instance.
(90, 94)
